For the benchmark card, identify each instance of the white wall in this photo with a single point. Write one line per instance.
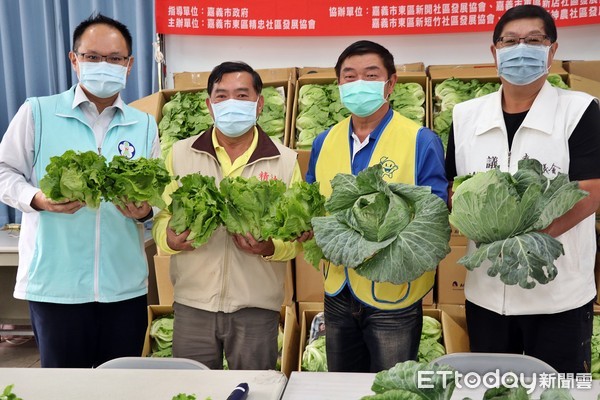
(202, 53)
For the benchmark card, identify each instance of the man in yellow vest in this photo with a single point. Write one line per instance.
(372, 326)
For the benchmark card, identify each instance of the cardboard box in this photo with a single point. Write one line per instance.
(454, 328)
(303, 159)
(456, 238)
(451, 277)
(583, 84)
(486, 72)
(327, 75)
(309, 281)
(164, 285)
(289, 353)
(196, 81)
(586, 69)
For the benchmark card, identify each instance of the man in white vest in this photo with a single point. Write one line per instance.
(528, 118)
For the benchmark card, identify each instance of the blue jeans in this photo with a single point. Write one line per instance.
(360, 338)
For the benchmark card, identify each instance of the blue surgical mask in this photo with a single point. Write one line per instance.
(234, 117)
(362, 98)
(522, 64)
(102, 79)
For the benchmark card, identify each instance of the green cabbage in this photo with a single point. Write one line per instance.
(386, 232)
(137, 180)
(504, 213)
(75, 176)
(401, 382)
(196, 205)
(430, 347)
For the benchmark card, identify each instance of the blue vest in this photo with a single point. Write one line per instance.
(92, 255)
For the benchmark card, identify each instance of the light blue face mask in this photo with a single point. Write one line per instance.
(362, 98)
(102, 79)
(234, 117)
(522, 64)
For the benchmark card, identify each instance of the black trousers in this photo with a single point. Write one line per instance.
(562, 340)
(86, 335)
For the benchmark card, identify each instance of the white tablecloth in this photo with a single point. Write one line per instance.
(146, 384)
(352, 386)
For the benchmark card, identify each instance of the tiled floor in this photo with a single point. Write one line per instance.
(18, 352)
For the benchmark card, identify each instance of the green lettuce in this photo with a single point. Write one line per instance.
(196, 205)
(250, 204)
(401, 382)
(75, 176)
(386, 232)
(430, 347)
(137, 180)
(314, 357)
(185, 114)
(504, 213)
(272, 117)
(161, 333)
(595, 370)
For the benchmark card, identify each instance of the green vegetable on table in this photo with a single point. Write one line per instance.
(595, 370)
(387, 232)
(401, 382)
(504, 214)
(7, 394)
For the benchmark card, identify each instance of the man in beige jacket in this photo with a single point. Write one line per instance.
(228, 292)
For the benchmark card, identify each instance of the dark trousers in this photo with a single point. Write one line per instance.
(86, 335)
(563, 340)
(360, 338)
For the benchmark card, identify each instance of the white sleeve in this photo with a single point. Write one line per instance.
(17, 182)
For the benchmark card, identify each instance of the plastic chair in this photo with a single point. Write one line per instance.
(152, 363)
(482, 363)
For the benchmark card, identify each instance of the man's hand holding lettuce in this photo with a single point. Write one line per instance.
(386, 232)
(504, 215)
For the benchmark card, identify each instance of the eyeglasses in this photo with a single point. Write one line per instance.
(535, 40)
(96, 58)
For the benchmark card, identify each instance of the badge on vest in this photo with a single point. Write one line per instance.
(126, 149)
(389, 166)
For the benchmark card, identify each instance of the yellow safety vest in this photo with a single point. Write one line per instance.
(395, 151)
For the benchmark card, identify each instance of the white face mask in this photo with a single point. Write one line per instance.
(234, 117)
(102, 79)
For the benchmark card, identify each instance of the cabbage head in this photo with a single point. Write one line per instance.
(503, 214)
(387, 232)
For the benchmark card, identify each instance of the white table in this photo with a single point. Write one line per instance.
(352, 386)
(146, 384)
(12, 311)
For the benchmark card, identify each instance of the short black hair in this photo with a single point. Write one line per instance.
(367, 47)
(524, 12)
(233, 66)
(96, 19)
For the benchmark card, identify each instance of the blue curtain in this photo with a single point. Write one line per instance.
(35, 38)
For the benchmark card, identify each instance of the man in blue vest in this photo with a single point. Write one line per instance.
(372, 326)
(83, 271)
